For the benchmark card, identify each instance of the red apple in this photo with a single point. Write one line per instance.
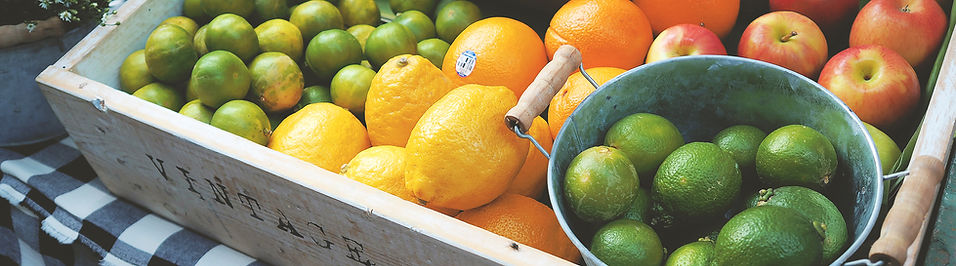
(874, 81)
(787, 39)
(684, 39)
(912, 28)
(828, 14)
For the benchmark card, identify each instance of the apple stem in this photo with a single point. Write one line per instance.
(905, 9)
(787, 37)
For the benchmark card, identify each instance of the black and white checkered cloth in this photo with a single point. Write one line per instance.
(56, 201)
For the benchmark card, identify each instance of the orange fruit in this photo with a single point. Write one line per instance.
(573, 93)
(533, 176)
(609, 33)
(718, 16)
(502, 52)
(460, 154)
(321, 133)
(525, 221)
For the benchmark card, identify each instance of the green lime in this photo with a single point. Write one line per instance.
(769, 235)
(219, 77)
(697, 181)
(641, 206)
(796, 155)
(885, 146)
(417, 22)
(191, 93)
(389, 40)
(133, 72)
(741, 141)
(160, 94)
(441, 4)
(193, 10)
(199, 40)
(277, 82)
(314, 94)
(234, 34)
(425, 6)
(244, 119)
(627, 242)
(214, 8)
(271, 9)
(170, 53)
(355, 12)
(434, 50)
(350, 86)
(646, 139)
(196, 110)
(314, 16)
(600, 184)
(279, 35)
(814, 206)
(332, 50)
(454, 17)
(185, 23)
(361, 33)
(699, 253)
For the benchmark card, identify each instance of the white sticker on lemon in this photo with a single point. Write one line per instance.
(466, 63)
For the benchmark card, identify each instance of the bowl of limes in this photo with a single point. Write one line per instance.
(714, 158)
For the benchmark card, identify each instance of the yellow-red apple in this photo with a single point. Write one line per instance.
(828, 14)
(912, 28)
(874, 81)
(788, 39)
(684, 39)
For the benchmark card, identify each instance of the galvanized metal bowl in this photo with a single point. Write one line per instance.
(702, 95)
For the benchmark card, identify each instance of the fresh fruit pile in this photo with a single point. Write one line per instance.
(334, 85)
(264, 60)
(412, 104)
(691, 188)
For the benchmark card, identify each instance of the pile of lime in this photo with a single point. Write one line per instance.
(695, 200)
(244, 65)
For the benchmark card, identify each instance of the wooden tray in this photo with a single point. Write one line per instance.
(262, 202)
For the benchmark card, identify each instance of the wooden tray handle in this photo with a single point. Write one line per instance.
(906, 221)
(905, 218)
(538, 95)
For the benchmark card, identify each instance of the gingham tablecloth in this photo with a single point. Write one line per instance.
(57, 202)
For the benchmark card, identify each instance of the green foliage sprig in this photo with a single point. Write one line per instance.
(69, 11)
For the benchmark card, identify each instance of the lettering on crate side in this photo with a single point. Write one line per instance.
(190, 181)
(222, 196)
(248, 202)
(327, 244)
(159, 167)
(284, 224)
(355, 251)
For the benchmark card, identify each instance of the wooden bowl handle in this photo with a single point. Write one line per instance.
(906, 222)
(913, 202)
(538, 95)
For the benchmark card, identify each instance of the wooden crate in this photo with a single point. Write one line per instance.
(262, 202)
